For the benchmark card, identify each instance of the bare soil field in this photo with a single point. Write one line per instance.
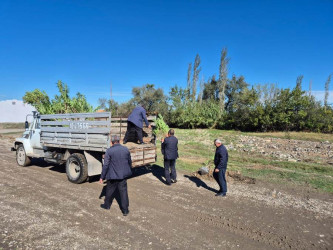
(41, 209)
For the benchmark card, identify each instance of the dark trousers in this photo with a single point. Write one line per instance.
(220, 179)
(132, 128)
(121, 186)
(170, 165)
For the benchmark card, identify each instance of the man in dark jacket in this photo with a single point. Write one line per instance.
(170, 152)
(116, 168)
(220, 162)
(135, 123)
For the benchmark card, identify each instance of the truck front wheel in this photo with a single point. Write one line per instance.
(77, 168)
(21, 157)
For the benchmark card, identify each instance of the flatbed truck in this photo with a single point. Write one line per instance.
(79, 141)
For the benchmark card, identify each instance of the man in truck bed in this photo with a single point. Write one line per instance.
(135, 123)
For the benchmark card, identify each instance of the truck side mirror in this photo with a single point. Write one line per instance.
(26, 124)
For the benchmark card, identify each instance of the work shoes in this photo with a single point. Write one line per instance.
(221, 194)
(105, 207)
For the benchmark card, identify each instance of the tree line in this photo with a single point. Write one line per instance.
(220, 102)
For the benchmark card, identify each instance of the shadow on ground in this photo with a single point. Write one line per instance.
(60, 168)
(200, 183)
(156, 170)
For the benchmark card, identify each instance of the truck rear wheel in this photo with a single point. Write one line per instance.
(21, 157)
(77, 168)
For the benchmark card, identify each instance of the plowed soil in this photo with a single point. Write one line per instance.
(41, 209)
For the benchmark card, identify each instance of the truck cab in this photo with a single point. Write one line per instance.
(29, 141)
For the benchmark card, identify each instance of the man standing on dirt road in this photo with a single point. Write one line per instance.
(135, 123)
(170, 151)
(116, 168)
(220, 162)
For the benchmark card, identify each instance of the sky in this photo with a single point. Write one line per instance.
(91, 44)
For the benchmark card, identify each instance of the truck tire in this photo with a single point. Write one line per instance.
(77, 168)
(21, 157)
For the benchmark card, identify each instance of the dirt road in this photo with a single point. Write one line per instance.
(40, 208)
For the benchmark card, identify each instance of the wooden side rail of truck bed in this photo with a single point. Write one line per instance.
(92, 132)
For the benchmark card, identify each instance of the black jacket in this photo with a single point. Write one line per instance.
(117, 163)
(170, 148)
(221, 157)
(137, 117)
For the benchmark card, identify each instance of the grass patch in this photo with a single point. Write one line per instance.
(196, 149)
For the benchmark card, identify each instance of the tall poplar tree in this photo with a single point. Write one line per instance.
(223, 74)
(299, 82)
(327, 85)
(196, 72)
(201, 90)
(188, 90)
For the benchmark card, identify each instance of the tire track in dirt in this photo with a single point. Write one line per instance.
(269, 238)
(197, 216)
(274, 229)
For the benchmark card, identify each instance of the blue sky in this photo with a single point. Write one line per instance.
(89, 44)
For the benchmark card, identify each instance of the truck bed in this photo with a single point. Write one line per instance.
(92, 132)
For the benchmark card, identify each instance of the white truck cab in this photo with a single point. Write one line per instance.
(29, 141)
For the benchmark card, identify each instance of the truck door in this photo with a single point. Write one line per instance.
(35, 134)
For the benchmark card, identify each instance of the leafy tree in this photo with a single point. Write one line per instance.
(267, 92)
(125, 109)
(102, 103)
(241, 112)
(39, 99)
(114, 107)
(234, 91)
(153, 99)
(178, 100)
(61, 103)
(177, 97)
(110, 106)
(211, 90)
(79, 104)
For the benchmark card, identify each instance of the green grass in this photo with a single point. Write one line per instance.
(196, 149)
